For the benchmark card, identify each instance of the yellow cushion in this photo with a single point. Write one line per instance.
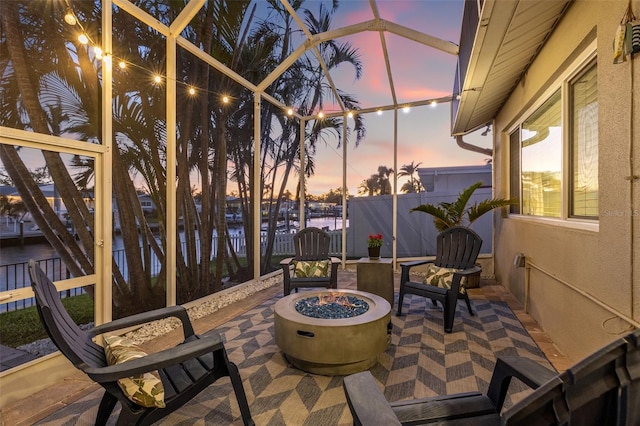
(442, 277)
(145, 389)
(315, 268)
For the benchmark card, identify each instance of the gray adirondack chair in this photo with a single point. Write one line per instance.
(311, 244)
(458, 248)
(602, 389)
(185, 370)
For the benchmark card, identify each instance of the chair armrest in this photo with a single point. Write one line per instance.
(410, 265)
(470, 271)
(406, 267)
(142, 318)
(527, 370)
(158, 360)
(366, 401)
(286, 262)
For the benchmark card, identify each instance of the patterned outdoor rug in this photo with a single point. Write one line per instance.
(421, 361)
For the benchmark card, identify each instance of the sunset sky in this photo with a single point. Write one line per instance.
(419, 72)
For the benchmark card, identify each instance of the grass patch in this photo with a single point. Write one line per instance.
(23, 326)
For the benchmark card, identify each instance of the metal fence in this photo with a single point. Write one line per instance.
(14, 276)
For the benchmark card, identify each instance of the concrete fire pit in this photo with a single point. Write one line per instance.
(332, 347)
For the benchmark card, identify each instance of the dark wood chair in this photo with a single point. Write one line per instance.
(185, 370)
(456, 248)
(603, 389)
(311, 245)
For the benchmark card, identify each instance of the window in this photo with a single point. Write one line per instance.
(514, 162)
(546, 183)
(584, 144)
(541, 162)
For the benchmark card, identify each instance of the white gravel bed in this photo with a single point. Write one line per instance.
(157, 328)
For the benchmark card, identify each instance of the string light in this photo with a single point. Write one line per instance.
(406, 109)
(379, 112)
(320, 114)
(433, 104)
(350, 114)
(71, 19)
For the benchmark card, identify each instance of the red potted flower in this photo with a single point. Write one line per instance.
(373, 244)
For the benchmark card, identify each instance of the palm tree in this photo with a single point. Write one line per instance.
(384, 181)
(447, 215)
(414, 184)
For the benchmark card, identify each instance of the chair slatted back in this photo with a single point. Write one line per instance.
(602, 389)
(311, 244)
(71, 340)
(457, 247)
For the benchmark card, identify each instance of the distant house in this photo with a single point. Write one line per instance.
(51, 194)
(146, 203)
(454, 179)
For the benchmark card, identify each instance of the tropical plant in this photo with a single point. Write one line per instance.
(447, 215)
(378, 183)
(413, 185)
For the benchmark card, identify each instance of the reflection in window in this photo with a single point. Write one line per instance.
(542, 160)
(584, 144)
(514, 177)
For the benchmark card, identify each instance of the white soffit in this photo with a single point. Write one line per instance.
(509, 36)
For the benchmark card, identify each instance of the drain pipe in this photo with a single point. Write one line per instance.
(470, 147)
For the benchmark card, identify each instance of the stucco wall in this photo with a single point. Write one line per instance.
(597, 260)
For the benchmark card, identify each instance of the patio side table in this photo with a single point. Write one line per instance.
(376, 276)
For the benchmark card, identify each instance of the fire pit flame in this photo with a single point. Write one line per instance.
(331, 306)
(340, 299)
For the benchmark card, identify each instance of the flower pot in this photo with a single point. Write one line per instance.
(374, 252)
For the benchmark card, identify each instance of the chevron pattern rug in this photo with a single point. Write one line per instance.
(421, 361)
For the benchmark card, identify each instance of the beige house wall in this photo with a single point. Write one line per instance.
(571, 261)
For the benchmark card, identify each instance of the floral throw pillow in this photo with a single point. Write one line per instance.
(145, 389)
(442, 277)
(313, 269)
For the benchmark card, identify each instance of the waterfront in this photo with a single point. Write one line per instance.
(13, 259)
(41, 251)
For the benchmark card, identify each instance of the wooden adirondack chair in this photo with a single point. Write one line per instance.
(185, 370)
(602, 389)
(457, 249)
(311, 246)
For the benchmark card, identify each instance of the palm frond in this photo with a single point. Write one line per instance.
(459, 206)
(441, 217)
(478, 209)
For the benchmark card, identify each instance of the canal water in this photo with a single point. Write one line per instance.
(40, 251)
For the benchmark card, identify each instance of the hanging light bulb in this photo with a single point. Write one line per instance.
(225, 99)
(320, 114)
(157, 79)
(192, 90)
(122, 65)
(70, 18)
(406, 109)
(290, 112)
(98, 52)
(350, 114)
(82, 38)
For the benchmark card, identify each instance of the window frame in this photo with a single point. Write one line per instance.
(562, 82)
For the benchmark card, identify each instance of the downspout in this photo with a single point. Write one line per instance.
(470, 147)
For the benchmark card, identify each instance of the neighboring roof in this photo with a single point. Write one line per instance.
(499, 43)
